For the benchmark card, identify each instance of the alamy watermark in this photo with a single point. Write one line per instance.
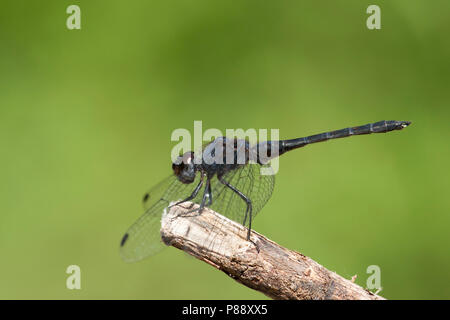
(73, 281)
(235, 147)
(74, 20)
(374, 20)
(373, 282)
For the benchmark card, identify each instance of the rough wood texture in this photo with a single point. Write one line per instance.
(277, 272)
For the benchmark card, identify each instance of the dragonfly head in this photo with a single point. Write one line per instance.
(184, 168)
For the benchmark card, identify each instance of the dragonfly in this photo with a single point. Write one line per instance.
(227, 175)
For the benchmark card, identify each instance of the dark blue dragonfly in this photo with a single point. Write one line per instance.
(225, 177)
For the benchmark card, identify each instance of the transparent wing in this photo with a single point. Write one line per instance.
(143, 238)
(157, 191)
(249, 180)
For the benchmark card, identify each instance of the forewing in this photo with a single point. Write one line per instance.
(157, 191)
(143, 238)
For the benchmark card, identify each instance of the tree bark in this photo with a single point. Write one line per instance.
(260, 264)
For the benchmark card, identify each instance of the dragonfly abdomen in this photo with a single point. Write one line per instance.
(377, 127)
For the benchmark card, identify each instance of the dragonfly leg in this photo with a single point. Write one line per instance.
(193, 194)
(206, 194)
(248, 212)
(210, 200)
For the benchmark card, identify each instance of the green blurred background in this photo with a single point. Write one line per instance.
(86, 118)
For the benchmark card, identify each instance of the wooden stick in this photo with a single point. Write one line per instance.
(261, 264)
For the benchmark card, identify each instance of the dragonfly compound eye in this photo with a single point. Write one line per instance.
(184, 168)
